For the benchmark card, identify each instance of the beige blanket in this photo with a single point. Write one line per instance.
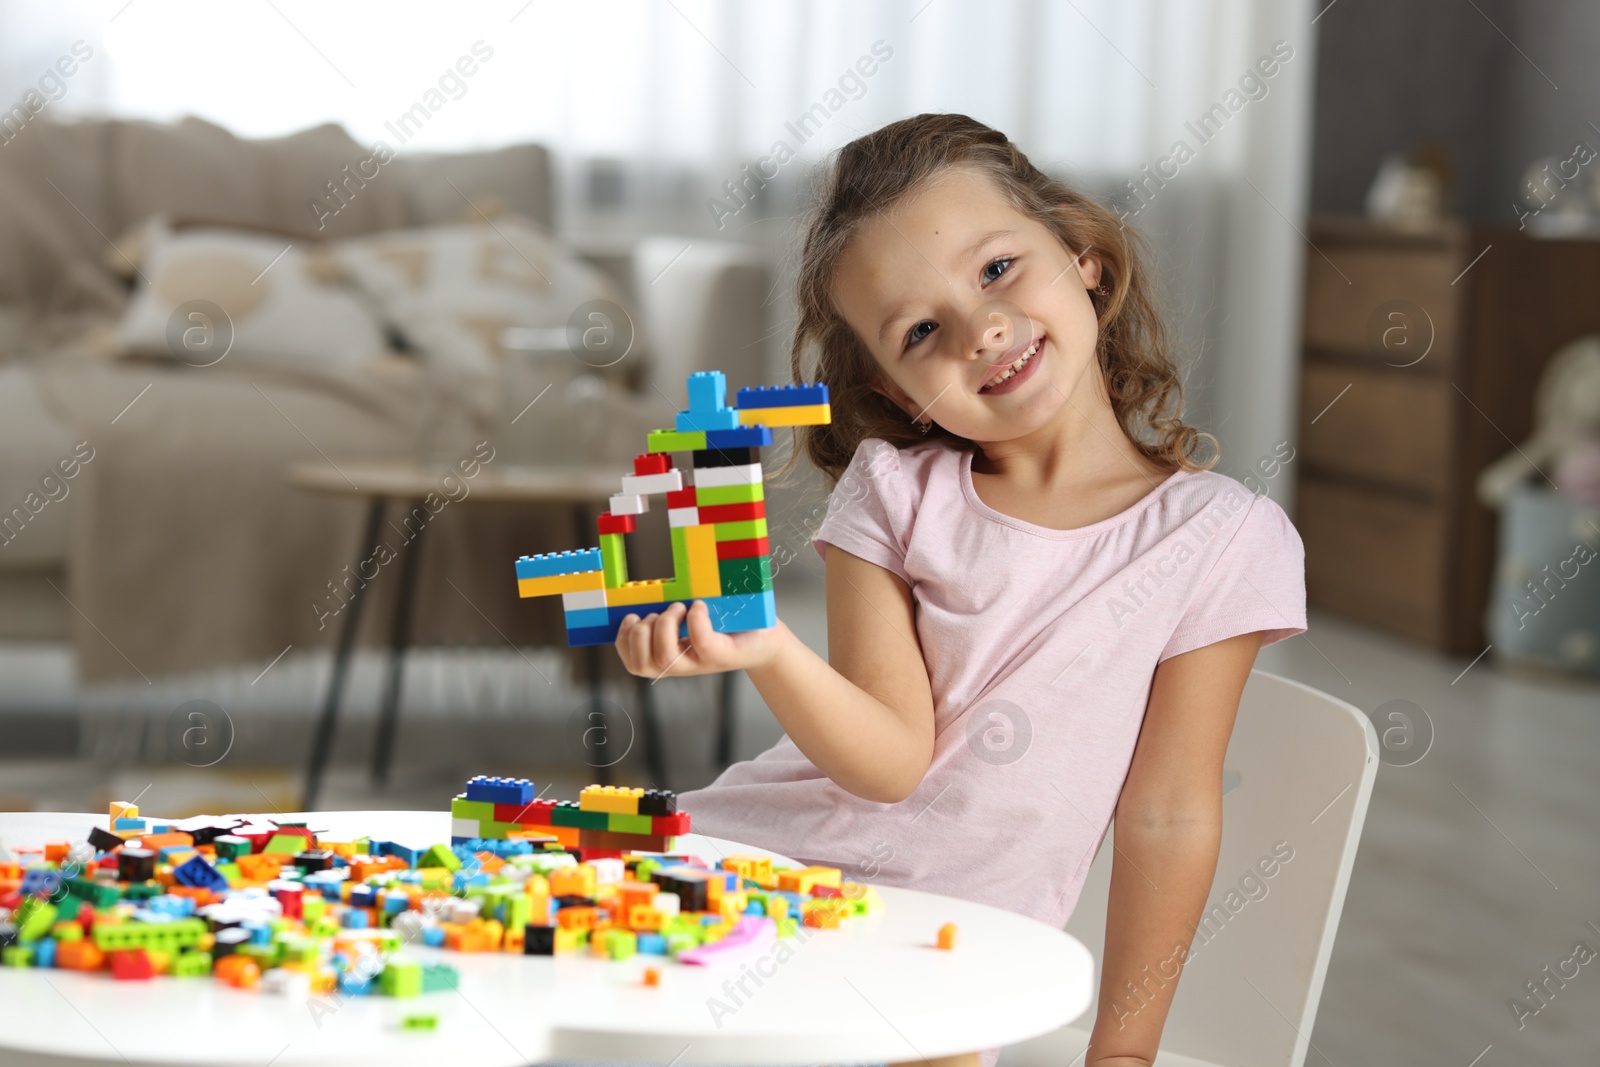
(192, 550)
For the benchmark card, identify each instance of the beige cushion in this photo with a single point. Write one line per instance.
(453, 291)
(210, 294)
(436, 187)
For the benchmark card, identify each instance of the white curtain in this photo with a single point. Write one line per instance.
(652, 105)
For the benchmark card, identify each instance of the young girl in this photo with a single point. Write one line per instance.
(1041, 608)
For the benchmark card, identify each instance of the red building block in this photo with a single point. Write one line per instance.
(533, 813)
(131, 965)
(733, 512)
(672, 825)
(612, 524)
(754, 546)
(652, 463)
(682, 498)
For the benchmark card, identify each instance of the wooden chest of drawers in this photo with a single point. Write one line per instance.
(1422, 353)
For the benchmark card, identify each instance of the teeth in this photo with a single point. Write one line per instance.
(1018, 365)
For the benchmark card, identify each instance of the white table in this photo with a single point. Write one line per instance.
(874, 990)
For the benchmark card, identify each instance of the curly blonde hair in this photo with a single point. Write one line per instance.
(873, 173)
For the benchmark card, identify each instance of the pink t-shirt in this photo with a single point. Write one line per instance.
(1041, 646)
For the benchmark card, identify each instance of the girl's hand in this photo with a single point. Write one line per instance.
(651, 648)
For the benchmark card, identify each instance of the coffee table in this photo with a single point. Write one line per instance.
(874, 990)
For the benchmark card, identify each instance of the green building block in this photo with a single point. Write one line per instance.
(516, 911)
(676, 441)
(439, 978)
(285, 845)
(17, 956)
(161, 937)
(66, 930)
(580, 819)
(681, 942)
(613, 560)
(265, 956)
(99, 894)
(67, 907)
(619, 823)
(401, 978)
(420, 1022)
(621, 944)
(787, 927)
(191, 965)
(750, 574)
(229, 850)
(440, 856)
(677, 587)
(33, 919)
(713, 495)
(142, 890)
(740, 531)
(462, 808)
(645, 868)
(312, 907)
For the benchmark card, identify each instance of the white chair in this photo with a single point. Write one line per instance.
(1299, 769)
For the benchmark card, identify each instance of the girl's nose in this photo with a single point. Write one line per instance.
(993, 325)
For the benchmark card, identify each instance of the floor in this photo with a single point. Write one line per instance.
(1479, 868)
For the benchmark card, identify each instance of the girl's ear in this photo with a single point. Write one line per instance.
(896, 395)
(1089, 270)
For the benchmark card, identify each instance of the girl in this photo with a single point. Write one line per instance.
(1041, 608)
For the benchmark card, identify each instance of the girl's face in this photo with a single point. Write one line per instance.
(952, 291)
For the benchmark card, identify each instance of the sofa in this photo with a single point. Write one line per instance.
(176, 543)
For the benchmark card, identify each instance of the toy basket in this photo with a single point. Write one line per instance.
(1544, 610)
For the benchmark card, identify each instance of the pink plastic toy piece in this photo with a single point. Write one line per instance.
(749, 937)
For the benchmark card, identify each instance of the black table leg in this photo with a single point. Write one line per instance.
(323, 741)
(399, 641)
(650, 725)
(725, 721)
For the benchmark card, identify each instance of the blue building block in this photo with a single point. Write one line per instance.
(394, 848)
(40, 882)
(781, 396)
(44, 952)
(708, 390)
(433, 936)
(500, 790)
(690, 421)
(651, 944)
(355, 984)
(547, 564)
(743, 611)
(363, 896)
(196, 872)
(757, 436)
(354, 919)
(129, 824)
(583, 617)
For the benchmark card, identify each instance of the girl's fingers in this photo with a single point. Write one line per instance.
(625, 640)
(666, 637)
(701, 633)
(640, 645)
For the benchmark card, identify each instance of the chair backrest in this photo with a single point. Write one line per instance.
(1297, 777)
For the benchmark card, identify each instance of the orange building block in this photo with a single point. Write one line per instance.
(241, 972)
(947, 936)
(80, 955)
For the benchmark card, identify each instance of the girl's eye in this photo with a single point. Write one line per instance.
(1004, 263)
(913, 335)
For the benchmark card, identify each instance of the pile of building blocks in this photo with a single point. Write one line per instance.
(275, 906)
(718, 525)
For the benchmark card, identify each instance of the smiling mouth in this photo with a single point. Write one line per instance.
(1004, 373)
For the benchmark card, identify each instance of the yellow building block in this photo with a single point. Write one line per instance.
(807, 415)
(705, 580)
(802, 879)
(756, 868)
(121, 809)
(651, 592)
(552, 584)
(575, 881)
(616, 799)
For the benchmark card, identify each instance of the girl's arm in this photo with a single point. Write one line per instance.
(864, 715)
(1168, 833)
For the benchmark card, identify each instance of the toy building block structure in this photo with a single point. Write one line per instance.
(718, 525)
(605, 822)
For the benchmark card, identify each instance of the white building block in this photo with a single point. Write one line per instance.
(683, 517)
(646, 484)
(586, 598)
(709, 477)
(629, 504)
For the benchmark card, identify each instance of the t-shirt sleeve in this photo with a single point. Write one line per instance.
(1257, 583)
(869, 512)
